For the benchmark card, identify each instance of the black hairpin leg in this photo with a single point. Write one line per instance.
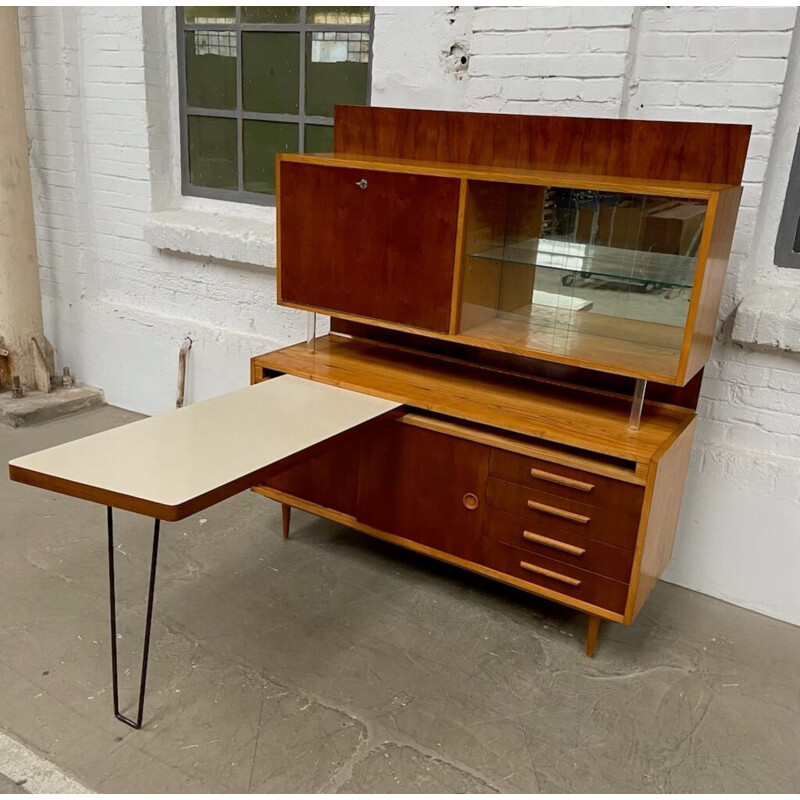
(112, 596)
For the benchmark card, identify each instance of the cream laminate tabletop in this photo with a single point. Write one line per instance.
(169, 464)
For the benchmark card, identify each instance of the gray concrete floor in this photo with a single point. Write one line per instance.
(334, 662)
(7, 786)
(22, 771)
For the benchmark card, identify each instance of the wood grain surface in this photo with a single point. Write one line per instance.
(385, 251)
(592, 421)
(670, 151)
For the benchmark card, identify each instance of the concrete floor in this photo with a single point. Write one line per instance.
(7, 786)
(23, 771)
(334, 662)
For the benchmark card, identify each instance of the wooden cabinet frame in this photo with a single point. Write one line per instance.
(506, 413)
(584, 509)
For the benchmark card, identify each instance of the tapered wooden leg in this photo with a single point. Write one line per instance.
(286, 511)
(591, 638)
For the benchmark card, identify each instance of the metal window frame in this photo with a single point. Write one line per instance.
(789, 227)
(301, 119)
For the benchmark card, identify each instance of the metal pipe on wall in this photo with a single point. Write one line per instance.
(182, 357)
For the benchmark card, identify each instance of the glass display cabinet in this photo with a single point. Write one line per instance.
(603, 277)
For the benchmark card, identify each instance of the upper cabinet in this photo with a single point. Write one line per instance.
(610, 271)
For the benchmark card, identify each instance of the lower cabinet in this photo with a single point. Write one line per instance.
(329, 480)
(424, 486)
(441, 491)
(462, 498)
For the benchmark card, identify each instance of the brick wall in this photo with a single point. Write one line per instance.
(96, 93)
(729, 65)
(102, 116)
(554, 60)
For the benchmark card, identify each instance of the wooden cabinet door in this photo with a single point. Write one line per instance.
(423, 486)
(329, 479)
(376, 244)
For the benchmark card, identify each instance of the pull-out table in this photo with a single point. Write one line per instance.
(173, 465)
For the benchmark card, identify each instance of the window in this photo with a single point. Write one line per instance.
(261, 80)
(787, 245)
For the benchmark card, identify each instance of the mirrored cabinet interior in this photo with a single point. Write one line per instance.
(541, 295)
(604, 277)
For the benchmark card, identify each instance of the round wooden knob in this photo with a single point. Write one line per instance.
(470, 501)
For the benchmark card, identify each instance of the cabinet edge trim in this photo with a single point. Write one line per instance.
(532, 450)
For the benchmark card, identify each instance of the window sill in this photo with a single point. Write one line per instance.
(769, 317)
(201, 233)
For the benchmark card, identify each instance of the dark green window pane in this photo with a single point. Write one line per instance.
(213, 152)
(273, 15)
(211, 69)
(262, 140)
(210, 15)
(271, 72)
(337, 70)
(319, 138)
(338, 15)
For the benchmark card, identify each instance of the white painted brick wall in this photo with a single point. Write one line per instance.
(732, 77)
(91, 160)
(549, 60)
(101, 101)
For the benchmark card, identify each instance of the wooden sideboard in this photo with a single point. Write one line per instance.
(515, 283)
(533, 483)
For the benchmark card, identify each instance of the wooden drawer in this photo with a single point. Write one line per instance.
(555, 576)
(548, 512)
(574, 484)
(565, 546)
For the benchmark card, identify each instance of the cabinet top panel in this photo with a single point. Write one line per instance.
(673, 151)
(593, 421)
(567, 180)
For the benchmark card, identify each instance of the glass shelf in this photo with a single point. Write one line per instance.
(615, 263)
(604, 279)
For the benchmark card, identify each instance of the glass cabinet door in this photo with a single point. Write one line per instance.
(602, 277)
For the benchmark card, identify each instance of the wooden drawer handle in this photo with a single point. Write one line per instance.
(549, 573)
(547, 542)
(470, 501)
(558, 512)
(570, 482)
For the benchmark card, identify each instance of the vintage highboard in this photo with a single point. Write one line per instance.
(541, 295)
